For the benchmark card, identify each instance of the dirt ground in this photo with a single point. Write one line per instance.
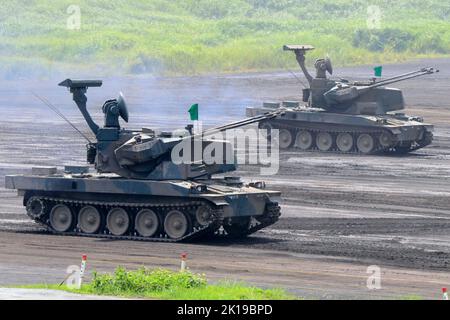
(341, 213)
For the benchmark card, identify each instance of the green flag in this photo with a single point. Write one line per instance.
(378, 71)
(193, 111)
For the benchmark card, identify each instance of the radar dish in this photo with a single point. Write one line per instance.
(122, 105)
(328, 65)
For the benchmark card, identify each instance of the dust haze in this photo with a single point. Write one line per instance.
(339, 212)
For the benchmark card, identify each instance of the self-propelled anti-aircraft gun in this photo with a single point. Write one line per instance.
(139, 191)
(347, 117)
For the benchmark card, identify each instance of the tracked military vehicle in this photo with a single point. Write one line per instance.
(347, 117)
(138, 191)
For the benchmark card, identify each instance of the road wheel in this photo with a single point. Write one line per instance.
(147, 223)
(365, 143)
(344, 142)
(61, 218)
(385, 140)
(89, 220)
(118, 221)
(304, 140)
(324, 141)
(203, 215)
(285, 139)
(176, 224)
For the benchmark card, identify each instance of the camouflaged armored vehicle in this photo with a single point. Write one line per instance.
(347, 117)
(137, 191)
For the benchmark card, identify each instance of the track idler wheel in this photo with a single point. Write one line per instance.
(35, 208)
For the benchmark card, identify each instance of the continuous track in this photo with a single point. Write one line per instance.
(270, 216)
(355, 132)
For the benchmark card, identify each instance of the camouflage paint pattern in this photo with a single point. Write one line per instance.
(138, 186)
(354, 109)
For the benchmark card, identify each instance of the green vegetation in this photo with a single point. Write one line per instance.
(196, 36)
(165, 284)
(411, 297)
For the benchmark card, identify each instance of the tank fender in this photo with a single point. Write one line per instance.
(396, 131)
(274, 198)
(217, 201)
(9, 182)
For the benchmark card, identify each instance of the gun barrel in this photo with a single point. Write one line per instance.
(405, 76)
(402, 77)
(243, 122)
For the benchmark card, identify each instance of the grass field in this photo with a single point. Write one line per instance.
(201, 36)
(169, 285)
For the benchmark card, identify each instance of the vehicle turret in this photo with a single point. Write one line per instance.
(145, 154)
(342, 96)
(346, 116)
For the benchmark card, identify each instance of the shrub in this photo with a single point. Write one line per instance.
(379, 40)
(145, 280)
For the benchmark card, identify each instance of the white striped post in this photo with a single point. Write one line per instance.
(183, 262)
(82, 270)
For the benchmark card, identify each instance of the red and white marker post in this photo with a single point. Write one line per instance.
(82, 270)
(444, 294)
(183, 262)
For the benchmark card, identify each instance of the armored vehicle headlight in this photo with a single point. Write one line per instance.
(200, 188)
(418, 119)
(259, 184)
